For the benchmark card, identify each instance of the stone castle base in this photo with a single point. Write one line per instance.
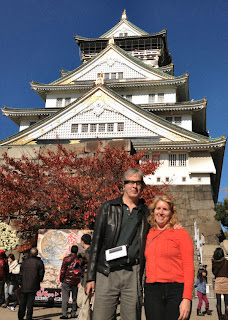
(195, 203)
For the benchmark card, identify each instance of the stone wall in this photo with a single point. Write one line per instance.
(195, 203)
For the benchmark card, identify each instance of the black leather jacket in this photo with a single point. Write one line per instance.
(106, 233)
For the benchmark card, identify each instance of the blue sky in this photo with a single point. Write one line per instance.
(37, 40)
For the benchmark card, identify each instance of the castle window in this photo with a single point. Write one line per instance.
(113, 75)
(167, 179)
(177, 160)
(129, 97)
(59, 102)
(125, 34)
(183, 179)
(106, 76)
(101, 127)
(93, 127)
(172, 160)
(110, 127)
(152, 98)
(120, 126)
(120, 75)
(67, 101)
(158, 179)
(170, 119)
(155, 157)
(177, 120)
(182, 160)
(74, 128)
(85, 127)
(160, 97)
(121, 34)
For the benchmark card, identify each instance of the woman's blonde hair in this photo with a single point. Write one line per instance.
(151, 218)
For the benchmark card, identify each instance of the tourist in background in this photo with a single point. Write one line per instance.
(220, 270)
(12, 284)
(201, 292)
(4, 274)
(70, 275)
(169, 265)
(31, 274)
(83, 301)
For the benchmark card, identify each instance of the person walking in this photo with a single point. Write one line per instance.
(120, 230)
(12, 284)
(83, 301)
(169, 264)
(70, 275)
(4, 274)
(220, 270)
(31, 275)
(201, 292)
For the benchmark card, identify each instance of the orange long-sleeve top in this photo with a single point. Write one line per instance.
(169, 258)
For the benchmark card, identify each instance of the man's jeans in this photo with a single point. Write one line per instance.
(162, 300)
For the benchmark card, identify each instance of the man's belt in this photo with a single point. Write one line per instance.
(126, 265)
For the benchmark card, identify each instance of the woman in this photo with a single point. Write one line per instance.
(220, 270)
(12, 285)
(169, 265)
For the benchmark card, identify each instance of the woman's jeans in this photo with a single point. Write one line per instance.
(162, 300)
(8, 290)
(202, 297)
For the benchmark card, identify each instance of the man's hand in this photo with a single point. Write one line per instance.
(185, 308)
(90, 287)
(178, 226)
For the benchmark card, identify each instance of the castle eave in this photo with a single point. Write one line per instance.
(148, 145)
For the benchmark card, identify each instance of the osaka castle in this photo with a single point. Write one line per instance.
(125, 88)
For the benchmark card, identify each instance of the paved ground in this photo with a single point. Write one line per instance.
(42, 313)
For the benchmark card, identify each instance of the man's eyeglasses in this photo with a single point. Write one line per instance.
(132, 182)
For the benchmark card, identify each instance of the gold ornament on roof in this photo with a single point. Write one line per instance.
(111, 40)
(124, 16)
(100, 79)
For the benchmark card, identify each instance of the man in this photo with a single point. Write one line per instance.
(117, 221)
(83, 300)
(70, 275)
(31, 274)
(86, 242)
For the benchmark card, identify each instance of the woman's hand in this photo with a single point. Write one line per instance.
(185, 308)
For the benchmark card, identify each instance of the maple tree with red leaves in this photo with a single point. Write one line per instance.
(62, 189)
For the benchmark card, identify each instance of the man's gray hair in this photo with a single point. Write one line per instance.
(33, 252)
(132, 171)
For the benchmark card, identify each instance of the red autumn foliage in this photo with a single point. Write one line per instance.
(61, 189)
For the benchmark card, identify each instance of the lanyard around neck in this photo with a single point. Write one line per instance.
(155, 237)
